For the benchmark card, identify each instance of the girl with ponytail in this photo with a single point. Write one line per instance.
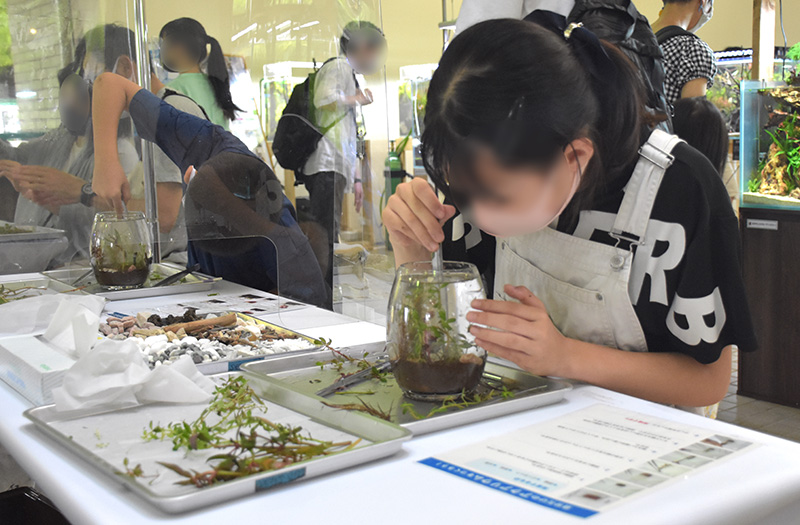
(612, 247)
(184, 47)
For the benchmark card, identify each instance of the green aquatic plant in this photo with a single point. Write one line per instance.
(786, 138)
(428, 333)
(340, 359)
(8, 295)
(114, 254)
(10, 229)
(459, 402)
(793, 53)
(251, 444)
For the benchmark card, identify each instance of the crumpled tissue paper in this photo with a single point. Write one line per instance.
(70, 321)
(74, 325)
(114, 375)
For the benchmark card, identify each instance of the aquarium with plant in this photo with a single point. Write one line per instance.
(121, 251)
(431, 351)
(735, 66)
(770, 140)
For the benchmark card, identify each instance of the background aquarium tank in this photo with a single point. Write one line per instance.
(770, 143)
(735, 66)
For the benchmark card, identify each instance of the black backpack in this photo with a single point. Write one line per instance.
(297, 136)
(618, 22)
(672, 31)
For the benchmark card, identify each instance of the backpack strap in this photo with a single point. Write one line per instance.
(668, 32)
(341, 117)
(172, 93)
(332, 124)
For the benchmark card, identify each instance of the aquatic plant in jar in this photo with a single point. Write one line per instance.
(433, 355)
(121, 251)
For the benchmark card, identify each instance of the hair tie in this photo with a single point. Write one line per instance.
(590, 52)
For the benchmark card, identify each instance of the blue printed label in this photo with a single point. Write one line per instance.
(508, 488)
(280, 479)
(234, 366)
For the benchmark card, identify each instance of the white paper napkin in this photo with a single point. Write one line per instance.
(34, 314)
(74, 324)
(114, 375)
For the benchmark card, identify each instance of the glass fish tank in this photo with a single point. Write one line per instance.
(413, 97)
(770, 144)
(733, 67)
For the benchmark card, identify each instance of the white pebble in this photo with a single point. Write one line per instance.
(153, 339)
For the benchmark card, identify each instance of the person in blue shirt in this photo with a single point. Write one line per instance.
(241, 226)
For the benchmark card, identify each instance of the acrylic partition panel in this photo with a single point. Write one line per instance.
(371, 114)
(270, 49)
(51, 51)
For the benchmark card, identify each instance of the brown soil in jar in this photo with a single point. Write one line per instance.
(441, 377)
(136, 277)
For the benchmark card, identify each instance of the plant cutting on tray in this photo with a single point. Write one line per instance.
(234, 424)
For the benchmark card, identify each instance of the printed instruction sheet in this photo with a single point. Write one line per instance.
(590, 460)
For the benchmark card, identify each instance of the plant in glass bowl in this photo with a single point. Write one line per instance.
(433, 355)
(121, 252)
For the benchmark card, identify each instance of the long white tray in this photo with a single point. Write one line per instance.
(303, 373)
(105, 439)
(194, 282)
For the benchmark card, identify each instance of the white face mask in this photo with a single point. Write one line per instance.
(505, 224)
(706, 13)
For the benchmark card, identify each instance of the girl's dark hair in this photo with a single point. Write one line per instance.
(192, 36)
(112, 40)
(702, 126)
(519, 90)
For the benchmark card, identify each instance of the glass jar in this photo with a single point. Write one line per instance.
(121, 250)
(433, 355)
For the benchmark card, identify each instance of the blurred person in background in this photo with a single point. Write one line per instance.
(54, 172)
(187, 49)
(688, 61)
(241, 226)
(702, 126)
(334, 168)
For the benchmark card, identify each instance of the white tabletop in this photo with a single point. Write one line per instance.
(760, 486)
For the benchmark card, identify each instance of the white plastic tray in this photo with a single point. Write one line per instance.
(105, 439)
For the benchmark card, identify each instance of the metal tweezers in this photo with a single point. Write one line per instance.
(352, 379)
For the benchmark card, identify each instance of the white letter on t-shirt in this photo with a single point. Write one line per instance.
(694, 310)
(657, 267)
(459, 227)
(644, 263)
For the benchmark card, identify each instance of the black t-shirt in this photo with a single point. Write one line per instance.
(690, 296)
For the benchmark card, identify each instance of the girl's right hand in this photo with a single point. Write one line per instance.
(111, 184)
(414, 216)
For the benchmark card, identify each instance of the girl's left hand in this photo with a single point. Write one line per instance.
(520, 332)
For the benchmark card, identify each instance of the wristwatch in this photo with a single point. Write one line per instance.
(87, 195)
(357, 181)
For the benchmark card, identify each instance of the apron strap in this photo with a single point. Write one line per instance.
(655, 156)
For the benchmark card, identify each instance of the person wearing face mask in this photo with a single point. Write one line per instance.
(187, 49)
(688, 61)
(54, 172)
(610, 248)
(241, 225)
(334, 168)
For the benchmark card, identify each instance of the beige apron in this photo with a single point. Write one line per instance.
(584, 284)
